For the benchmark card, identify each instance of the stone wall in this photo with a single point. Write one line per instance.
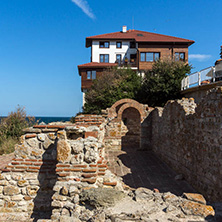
(51, 164)
(86, 120)
(123, 128)
(189, 139)
(198, 92)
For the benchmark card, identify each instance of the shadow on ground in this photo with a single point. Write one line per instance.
(144, 169)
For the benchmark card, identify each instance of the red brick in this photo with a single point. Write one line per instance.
(56, 127)
(93, 134)
(40, 126)
(5, 170)
(18, 170)
(88, 175)
(102, 166)
(93, 165)
(27, 163)
(80, 166)
(15, 163)
(14, 159)
(63, 165)
(110, 183)
(31, 160)
(89, 180)
(61, 179)
(100, 161)
(89, 170)
(59, 170)
(76, 170)
(21, 167)
(63, 174)
(102, 170)
(101, 174)
(34, 168)
(77, 179)
(30, 136)
(37, 164)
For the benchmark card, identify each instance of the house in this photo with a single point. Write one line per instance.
(137, 49)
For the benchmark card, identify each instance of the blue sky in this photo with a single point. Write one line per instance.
(43, 41)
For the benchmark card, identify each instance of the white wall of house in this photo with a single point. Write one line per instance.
(125, 51)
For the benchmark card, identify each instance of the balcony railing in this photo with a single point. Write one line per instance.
(204, 76)
(129, 64)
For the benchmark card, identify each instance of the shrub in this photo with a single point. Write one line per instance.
(113, 85)
(11, 129)
(163, 82)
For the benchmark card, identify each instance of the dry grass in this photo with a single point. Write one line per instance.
(11, 129)
(7, 145)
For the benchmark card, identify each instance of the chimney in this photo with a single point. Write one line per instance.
(124, 29)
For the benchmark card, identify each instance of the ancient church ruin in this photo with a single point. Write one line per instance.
(53, 162)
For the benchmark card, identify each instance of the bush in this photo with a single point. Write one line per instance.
(11, 129)
(113, 85)
(163, 82)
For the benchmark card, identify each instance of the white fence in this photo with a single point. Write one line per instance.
(204, 76)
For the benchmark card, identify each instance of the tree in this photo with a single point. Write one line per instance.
(113, 85)
(163, 82)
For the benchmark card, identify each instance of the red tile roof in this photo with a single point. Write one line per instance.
(138, 36)
(96, 65)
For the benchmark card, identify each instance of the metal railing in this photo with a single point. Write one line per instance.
(204, 76)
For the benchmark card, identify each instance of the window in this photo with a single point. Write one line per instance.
(118, 58)
(119, 45)
(149, 56)
(103, 44)
(132, 45)
(91, 74)
(179, 56)
(104, 58)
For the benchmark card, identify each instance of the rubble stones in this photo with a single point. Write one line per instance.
(77, 146)
(47, 143)
(193, 208)
(64, 191)
(195, 197)
(11, 190)
(98, 197)
(41, 137)
(63, 151)
(143, 194)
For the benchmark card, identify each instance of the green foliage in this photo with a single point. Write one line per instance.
(163, 82)
(11, 129)
(72, 119)
(113, 85)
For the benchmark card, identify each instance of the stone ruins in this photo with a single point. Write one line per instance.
(60, 172)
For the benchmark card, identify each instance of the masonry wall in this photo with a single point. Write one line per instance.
(189, 139)
(52, 163)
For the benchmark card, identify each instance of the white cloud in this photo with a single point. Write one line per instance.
(199, 57)
(85, 7)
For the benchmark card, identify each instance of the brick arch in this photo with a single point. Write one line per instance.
(136, 106)
(113, 112)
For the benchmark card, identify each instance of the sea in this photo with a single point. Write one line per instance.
(47, 119)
